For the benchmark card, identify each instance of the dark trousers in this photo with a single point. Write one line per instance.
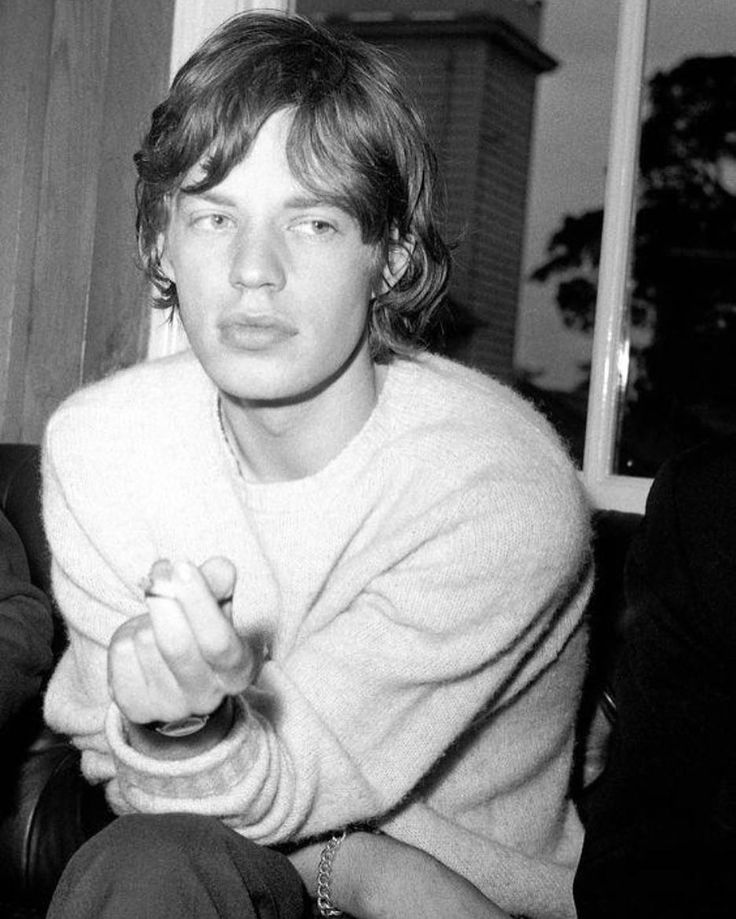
(177, 865)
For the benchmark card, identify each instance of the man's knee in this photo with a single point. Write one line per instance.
(158, 843)
(167, 864)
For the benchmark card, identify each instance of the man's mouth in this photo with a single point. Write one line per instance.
(254, 332)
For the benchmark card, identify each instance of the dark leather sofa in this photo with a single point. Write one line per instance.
(47, 810)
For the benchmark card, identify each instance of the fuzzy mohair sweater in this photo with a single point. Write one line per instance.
(420, 600)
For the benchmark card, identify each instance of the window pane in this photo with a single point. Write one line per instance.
(564, 220)
(682, 381)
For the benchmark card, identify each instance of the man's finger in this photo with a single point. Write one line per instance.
(220, 575)
(217, 641)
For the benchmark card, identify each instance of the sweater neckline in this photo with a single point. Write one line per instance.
(335, 476)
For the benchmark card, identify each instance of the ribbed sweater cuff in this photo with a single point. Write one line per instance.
(151, 784)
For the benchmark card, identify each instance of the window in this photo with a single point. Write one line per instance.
(681, 386)
(662, 373)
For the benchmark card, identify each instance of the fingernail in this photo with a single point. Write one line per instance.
(182, 570)
(162, 570)
(156, 583)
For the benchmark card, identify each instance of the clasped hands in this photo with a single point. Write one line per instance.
(183, 656)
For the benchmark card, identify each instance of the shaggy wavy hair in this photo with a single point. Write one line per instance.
(355, 141)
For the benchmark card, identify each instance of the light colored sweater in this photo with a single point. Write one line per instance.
(420, 599)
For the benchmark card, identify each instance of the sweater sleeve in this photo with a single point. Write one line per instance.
(93, 589)
(468, 602)
(465, 615)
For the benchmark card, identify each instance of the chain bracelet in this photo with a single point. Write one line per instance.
(324, 876)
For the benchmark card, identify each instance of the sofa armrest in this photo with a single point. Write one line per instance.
(50, 811)
(47, 809)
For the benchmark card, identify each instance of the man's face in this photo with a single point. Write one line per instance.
(273, 283)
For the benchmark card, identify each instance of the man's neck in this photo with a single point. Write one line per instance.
(285, 441)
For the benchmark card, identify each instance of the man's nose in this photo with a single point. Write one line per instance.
(257, 259)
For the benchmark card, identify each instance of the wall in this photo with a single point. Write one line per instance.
(524, 15)
(496, 227)
(79, 81)
(475, 78)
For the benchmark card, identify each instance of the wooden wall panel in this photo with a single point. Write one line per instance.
(79, 79)
(66, 224)
(137, 78)
(25, 39)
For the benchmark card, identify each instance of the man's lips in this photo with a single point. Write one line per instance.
(255, 332)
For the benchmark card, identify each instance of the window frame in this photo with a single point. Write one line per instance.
(610, 358)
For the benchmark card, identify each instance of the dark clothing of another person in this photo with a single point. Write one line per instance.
(26, 628)
(661, 835)
(174, 865)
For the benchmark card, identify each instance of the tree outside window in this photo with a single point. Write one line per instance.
(682, 293)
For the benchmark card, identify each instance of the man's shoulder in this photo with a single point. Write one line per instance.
(114, 418)
(476, 415)
(469, 394)
(693, 497)
(706, 472)
(147, 390)
(469, 441)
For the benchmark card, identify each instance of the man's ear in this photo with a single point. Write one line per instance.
(400, 251)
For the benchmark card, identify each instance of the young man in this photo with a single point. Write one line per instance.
(314, 578)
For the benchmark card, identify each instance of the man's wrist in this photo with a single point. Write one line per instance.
(323, 892)
(182, 727)
(184, 737)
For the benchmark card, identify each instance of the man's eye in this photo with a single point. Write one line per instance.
(212, 221)
(314, 227)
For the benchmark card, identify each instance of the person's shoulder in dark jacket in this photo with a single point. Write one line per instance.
(26, 628)
(660, 834)
(685, 553)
